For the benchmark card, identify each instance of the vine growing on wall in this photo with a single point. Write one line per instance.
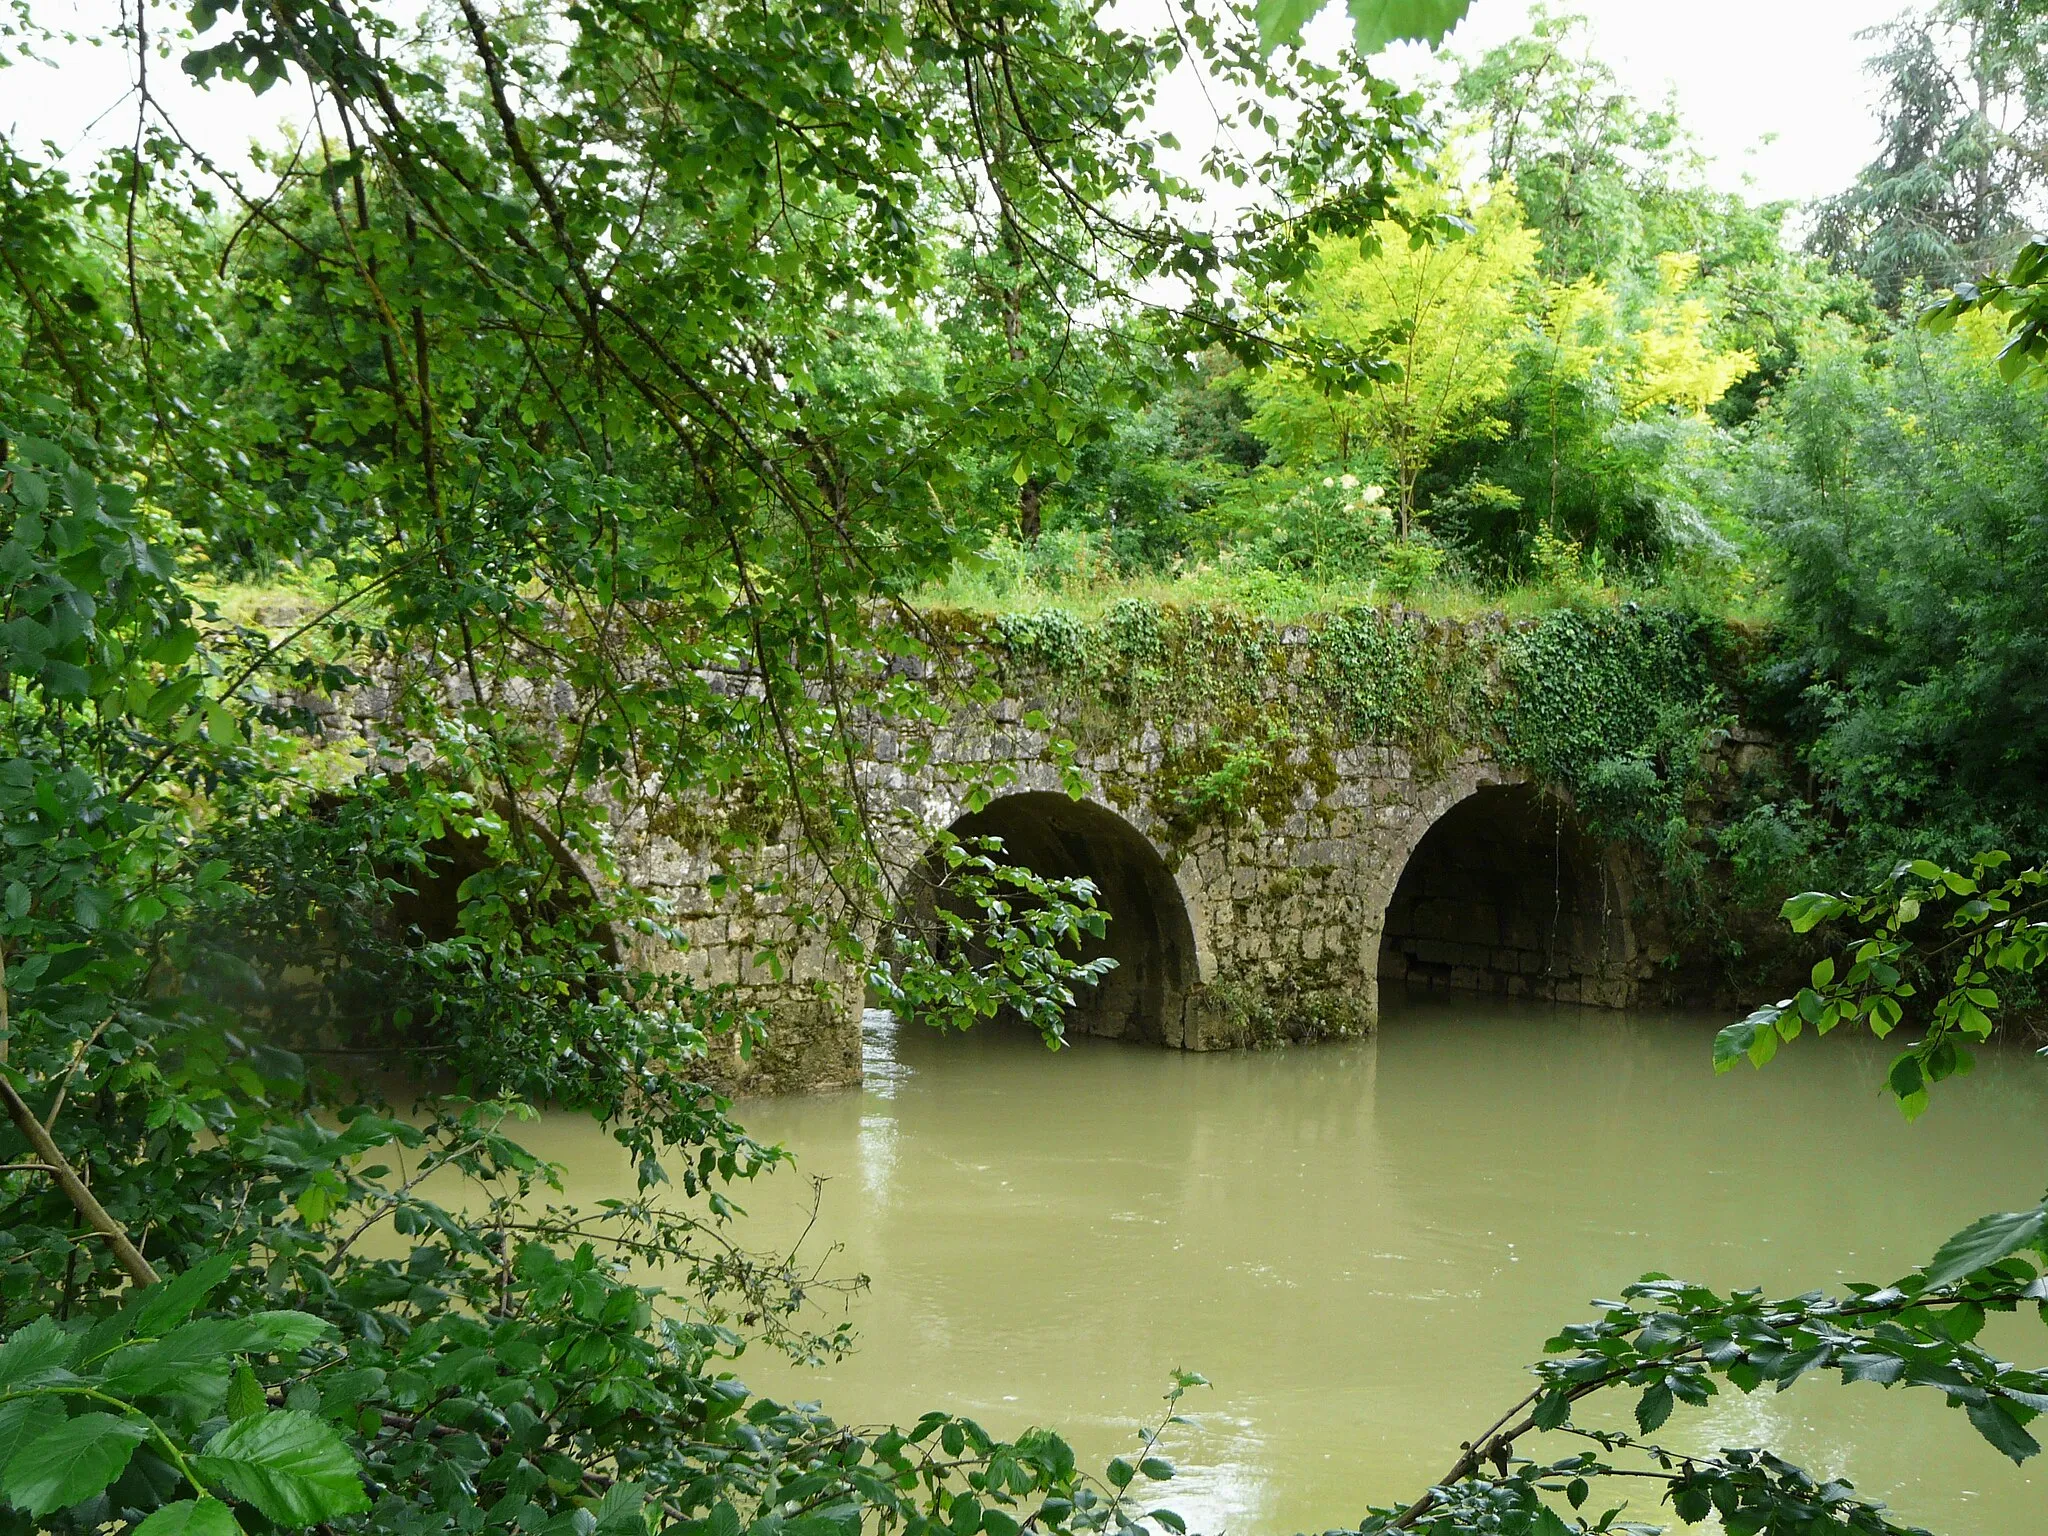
(1613, 709)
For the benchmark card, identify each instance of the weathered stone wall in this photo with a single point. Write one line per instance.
(1286, 897)
(1279, 818)
(1506, 894)
(734, 911)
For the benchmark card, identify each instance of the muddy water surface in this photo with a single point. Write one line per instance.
(1360, 1244)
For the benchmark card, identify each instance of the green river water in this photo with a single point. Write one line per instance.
(1360, 1245)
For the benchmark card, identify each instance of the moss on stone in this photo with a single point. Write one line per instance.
(1264, 1013)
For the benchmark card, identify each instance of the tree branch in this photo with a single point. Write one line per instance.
(95, 1214)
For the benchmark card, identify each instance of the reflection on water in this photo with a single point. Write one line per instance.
(1361, 1244)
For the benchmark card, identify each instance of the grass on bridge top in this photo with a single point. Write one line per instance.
(1070, 574)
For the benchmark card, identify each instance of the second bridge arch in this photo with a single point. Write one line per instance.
(1149, 933)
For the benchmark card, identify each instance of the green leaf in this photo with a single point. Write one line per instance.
(290, 1465)
(2001, 1429)
(24, 1419)
(1754, 1038)
(1963, 1323)
(1986, 1241)
(1905, 1079)
(1281, 21)
(202, 1350)
(35, 1354)
(70, 1462)
(1809, 909)
(1121, 1472)
(1158, 1468)
(66, 680)
(169, 1302)
(192, 1517)
(282, 1332)
(1764, 1045)
(1376, 23)
(245, 1395)
(622, 1510)
(1654, 1407)
(1868, 1366)
(1549, 1523)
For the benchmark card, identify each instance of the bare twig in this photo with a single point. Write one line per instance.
(77, 1059)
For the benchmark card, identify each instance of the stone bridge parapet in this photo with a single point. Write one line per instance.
(1269, 915)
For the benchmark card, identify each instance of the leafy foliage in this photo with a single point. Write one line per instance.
(1443, 310)
(1611, 182)
(1614, 707)
(994, 937)
(549, 369)
(103, 1415)
(1375, 23)
(1904, 499)
(1958, 928)
(2021, 295)
(1964, 110)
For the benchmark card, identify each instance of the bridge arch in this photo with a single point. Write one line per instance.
(1151, 934)
(1507, 892)
(429, 902)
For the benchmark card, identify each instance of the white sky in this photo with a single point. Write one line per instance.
(82, 101)
(1746, 72)
(1790, 71)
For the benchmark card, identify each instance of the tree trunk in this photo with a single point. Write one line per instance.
(1032, 492)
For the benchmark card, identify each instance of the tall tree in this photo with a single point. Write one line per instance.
(1962, 174)
(1443, 311)
(546, 363)
(1606, 180)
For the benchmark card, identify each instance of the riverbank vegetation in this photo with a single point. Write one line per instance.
(1625, 386)
(667, 365)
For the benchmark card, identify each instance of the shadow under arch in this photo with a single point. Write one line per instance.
(1150, 935)
(430, 905)
(329, 958)
(1508, 893)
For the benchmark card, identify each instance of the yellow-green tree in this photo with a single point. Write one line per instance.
(1447, 312)
(1652, 354)
(1660, 357)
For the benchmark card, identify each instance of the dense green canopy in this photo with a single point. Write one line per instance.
(671, 361)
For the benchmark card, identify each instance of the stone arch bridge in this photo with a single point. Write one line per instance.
(1361, 863)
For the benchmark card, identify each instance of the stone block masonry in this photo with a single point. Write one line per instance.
(1264, 868)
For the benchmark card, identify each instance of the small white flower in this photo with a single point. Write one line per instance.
(1375, 492)
(1349, 482)
(1328, 482)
